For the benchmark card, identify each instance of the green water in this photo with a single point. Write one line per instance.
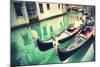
(24, 50)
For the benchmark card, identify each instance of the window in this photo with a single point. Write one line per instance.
(31, 8)
(18, 7)
(59, 6)
(62, 6)
(48, 6)
(41, 8)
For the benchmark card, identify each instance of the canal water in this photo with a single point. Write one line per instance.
(24, 49)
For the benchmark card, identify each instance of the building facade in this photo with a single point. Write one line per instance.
(28, 12)
(18, 13)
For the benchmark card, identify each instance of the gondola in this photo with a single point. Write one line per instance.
(68, 34)
(62, 37)
(82, 40)
(44, 45)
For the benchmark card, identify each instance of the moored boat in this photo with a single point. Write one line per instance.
(78, 42)
(61, 38)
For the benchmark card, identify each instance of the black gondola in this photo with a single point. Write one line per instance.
(44, 45)
(78, 42)
(67, 34)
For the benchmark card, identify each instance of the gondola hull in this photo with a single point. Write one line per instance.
(67, 38)
(43, 46)
(63, 55)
